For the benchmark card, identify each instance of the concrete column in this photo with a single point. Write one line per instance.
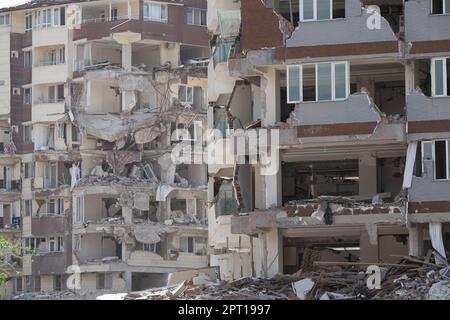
(415, 239)
(369, 249)
(128, 280)
(273, 187)
(274, 252)
(127, 213)
(272, 91)
(367, 175)
(126, 56)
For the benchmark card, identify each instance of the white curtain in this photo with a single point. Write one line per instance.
(436, 238)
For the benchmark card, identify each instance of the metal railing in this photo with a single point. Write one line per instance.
(47, 100)
(49, 63)
(105, 19)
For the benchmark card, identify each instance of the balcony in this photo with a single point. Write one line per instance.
(47, 110)
(355, 118)
(51, 36)
(435, 37)
(427, 116)
(180, 260)
(48, 263)
(46, 225)
(49, 72)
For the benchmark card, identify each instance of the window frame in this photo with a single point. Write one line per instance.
(443, 8)
(147, 16)
(302, 17)
(444, 75)
(27, 133)
(186, 88)
(27, 97)
(27, 58)
(193, 10)
(333, 81)
(447, 163)
(29, 19)
(6, 19)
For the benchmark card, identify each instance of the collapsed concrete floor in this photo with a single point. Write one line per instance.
(410, 279)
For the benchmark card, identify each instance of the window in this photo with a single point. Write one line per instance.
(79, 209)
(186, 94)
(56, 17)
(18, 284)
(28, 22)
(196, 16)
(437, 151)
(440, 6)
(155, 12)
(227, 203)
(440, 73)
(27, 208)
(223, 52)
(104, 281)
(113, 14)
(46, 18)
(56, 93)
(26, 133)
(187, 244)
(27, 96)
(27, 59)
(37, 19)
(59, 282)
(50, 180)
(4, 19)
(317, 82)
(28, 170)
(56, 206)
(62, 55)
(312, 10)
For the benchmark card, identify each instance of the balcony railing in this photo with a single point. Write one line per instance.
(49, 63)
(48, 100)
(105, 19)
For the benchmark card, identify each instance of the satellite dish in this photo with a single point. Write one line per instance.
(73, 16)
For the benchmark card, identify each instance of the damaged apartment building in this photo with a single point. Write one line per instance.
(95, 96)
(358, 94)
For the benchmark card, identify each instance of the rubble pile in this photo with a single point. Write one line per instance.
(410, 279)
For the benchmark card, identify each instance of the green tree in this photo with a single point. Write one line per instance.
(9, 251)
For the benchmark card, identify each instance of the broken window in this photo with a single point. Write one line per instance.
(50, 175)
(440, 6)
(104, 281)
(32, 283)
(318, 82)
(223, 51)
(59, 282)
(440, 73)
(155, 12)
(187, 244)
(312, 10)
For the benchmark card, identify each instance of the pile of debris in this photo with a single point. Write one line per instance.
(410, 279)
